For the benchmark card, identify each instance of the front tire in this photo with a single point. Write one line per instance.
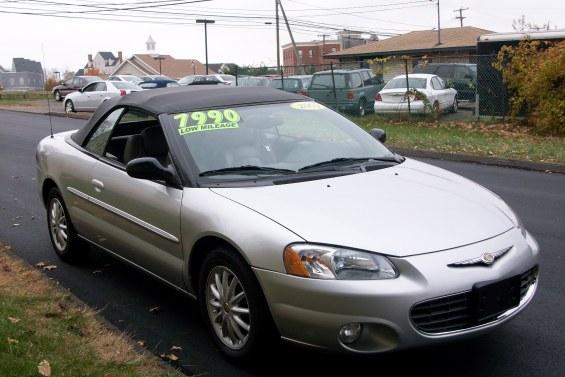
(69, 107)
(66, 243)
(455, 105)
(233, 306)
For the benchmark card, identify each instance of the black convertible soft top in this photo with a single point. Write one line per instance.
(186, 99)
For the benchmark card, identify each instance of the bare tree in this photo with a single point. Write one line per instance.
(520, 24)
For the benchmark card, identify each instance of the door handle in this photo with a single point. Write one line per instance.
(98, 185)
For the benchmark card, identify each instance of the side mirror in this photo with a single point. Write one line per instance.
(81, 90)
(378, 134)
(150, 168)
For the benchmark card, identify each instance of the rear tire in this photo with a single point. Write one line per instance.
(435, 109)
(362, 110)
(57, 96)
(66, 243)
(234, 307)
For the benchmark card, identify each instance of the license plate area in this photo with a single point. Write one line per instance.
(492, 299)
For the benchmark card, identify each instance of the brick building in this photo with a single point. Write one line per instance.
(309, 53)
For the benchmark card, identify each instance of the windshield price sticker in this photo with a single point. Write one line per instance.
(311, 105)
(200, 121)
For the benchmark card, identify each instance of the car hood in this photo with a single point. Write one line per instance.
(408, 209)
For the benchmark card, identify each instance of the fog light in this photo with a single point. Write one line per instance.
(350, 333)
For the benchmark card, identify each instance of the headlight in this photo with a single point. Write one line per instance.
(327, 262)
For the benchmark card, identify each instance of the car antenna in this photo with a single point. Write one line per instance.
(47, 93)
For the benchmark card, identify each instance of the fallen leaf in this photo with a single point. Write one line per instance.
(169, 357)
(12, 341)
(49, 267)
(15, 225)
(40, 264)
(13, 319)
(154, 310)
(176, 348)
(95, 272)
(141, 343)
(172, 357)
(44, 368)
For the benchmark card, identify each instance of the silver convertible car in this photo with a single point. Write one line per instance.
(286, 220)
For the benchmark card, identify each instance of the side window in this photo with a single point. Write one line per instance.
(77, 81)
(90, 88)
(366, 78)
(98, 140)
(445, 71)
(100, 87)
(433, 81)
(355, 81)
(437, 83)
(460, 72)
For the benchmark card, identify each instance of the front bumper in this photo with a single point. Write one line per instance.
(311, 311)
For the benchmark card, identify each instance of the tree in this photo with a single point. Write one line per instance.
(534, 72)
(520, 24)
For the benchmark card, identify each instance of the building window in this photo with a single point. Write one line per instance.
(334, 49)
(300, 54)
(310, 54)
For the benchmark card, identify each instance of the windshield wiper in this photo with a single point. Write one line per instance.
(246, 169)
(342, 160)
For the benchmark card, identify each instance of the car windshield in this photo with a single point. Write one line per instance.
(269, 140)
(125, 85)
(324, 81)
(288, 83)
(400, 83)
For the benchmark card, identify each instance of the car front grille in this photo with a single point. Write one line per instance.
(457, 312)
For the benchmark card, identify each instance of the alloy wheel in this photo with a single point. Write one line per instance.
(58, 225)
(228, 307)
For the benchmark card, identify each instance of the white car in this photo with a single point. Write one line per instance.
(92, 95)
(427, 94)
(127, 78)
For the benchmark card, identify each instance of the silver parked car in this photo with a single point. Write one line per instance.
(427, 94)
(92, 95)
(286, 220)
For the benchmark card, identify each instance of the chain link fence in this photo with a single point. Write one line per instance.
(355, 86)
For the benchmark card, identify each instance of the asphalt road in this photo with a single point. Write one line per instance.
(531, 345)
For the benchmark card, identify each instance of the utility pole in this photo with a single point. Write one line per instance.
(205, 22)
(460, 17)
(438, 24)
(323, 45)
(289, 33)
(278, 37)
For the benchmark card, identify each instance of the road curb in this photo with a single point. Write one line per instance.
(492, 161)
(54, 114)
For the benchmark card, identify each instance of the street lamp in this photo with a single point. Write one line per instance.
(205, 22)
(160, 58)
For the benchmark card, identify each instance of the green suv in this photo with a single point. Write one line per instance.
(354, 92)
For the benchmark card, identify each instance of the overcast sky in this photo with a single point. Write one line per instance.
(67, 42)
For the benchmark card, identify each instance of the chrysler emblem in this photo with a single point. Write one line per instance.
(486, 259)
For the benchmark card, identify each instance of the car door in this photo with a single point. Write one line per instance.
(138, 220)
(81, 100)
(98, 95)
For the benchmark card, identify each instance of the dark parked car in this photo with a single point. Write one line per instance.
(460, 76)
(72, 85)
(293, 84)
(156, 84)
(355, 89)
